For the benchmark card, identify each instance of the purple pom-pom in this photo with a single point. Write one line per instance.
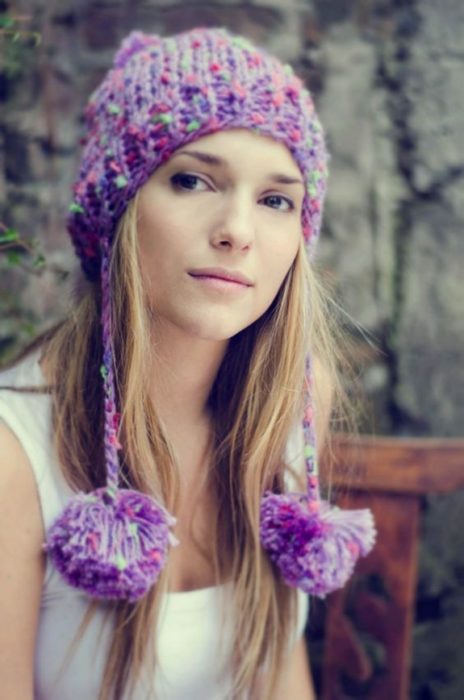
(315, 545)
(111, 546)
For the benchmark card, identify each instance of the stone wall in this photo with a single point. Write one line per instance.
(387, 80)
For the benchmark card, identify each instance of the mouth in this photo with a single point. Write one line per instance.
(232, 277)
(220, 284)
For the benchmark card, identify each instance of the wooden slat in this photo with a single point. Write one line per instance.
(384, 615)
(401, 465)
(371, 618)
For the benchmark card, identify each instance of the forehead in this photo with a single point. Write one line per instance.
(242, 146)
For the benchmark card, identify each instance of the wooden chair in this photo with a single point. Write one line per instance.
(367, 639)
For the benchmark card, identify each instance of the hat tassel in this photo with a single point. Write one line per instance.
(111, 542)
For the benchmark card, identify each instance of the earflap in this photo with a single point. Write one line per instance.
(315, 545)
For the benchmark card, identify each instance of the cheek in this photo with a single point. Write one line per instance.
(279, 256)
(161, 237)
(154, 256)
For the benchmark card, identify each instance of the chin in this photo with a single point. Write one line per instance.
(214, 329)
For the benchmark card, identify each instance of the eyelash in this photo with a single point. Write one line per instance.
(177, 178)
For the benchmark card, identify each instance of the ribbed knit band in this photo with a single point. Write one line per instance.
(164, 93)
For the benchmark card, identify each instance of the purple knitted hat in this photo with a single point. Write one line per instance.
(161, 94)
(164, 93)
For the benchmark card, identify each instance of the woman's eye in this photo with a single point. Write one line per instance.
(276, 201)
(187, 181)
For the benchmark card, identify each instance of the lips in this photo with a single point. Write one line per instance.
(222, 274)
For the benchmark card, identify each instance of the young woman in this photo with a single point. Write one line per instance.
(161, 440)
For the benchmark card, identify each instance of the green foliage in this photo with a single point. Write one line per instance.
(18, 51)
(17, 44)
(19, 257)
(8, 236)
(17, 252)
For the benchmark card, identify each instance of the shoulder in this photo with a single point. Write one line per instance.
(18, 485)
(23, 566)
(25, 402)
(18, 490)
(27, 430)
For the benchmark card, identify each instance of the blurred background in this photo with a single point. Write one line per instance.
(387, 80)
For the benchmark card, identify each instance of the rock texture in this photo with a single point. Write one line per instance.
(387, 80)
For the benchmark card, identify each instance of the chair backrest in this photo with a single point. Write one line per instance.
(367, 641)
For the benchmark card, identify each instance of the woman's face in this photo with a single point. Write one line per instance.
(227, 204)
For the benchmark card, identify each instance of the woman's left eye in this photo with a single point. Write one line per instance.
(276, 201)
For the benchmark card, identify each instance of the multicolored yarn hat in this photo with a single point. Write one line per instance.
(161, 94)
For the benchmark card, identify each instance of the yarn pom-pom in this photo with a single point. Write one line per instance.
(111, 546)
(314, 544)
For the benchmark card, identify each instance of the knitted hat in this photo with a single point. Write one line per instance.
(161, 94)
(164, 93)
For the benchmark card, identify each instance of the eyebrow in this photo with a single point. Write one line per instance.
(209, 159)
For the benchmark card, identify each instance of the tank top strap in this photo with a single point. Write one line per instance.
(29, 417)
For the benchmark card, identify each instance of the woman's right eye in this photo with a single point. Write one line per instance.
(187, 181)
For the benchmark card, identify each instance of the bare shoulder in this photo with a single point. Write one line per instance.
(18, 488)
(23, 567)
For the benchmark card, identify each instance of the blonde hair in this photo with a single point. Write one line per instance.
(255, 402)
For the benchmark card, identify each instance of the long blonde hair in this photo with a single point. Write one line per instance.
(255, 402)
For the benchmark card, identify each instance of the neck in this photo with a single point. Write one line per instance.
(184, 368)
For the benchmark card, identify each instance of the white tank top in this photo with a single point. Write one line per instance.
(191, 665)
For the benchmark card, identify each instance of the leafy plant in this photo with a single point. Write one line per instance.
(19, 324)
(15, 42)
(18, 45)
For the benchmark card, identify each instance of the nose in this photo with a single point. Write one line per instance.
(234, 226)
